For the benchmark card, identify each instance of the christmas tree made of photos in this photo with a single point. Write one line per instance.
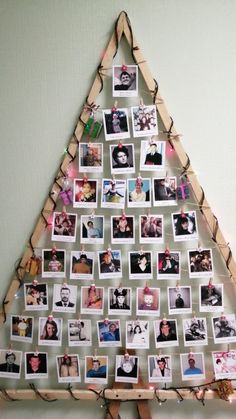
(127, 273)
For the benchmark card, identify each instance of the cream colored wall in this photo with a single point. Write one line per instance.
(49, 51)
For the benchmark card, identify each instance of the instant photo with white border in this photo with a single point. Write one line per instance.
(122, 158)
(98, 375)
(195, 370)
(157, 374)
(179, 299)
(109, 333)
(148, 301)
(82, 264)
(151, 228)
(116, 124)
(50, 336)
(211, 298)
(224, 364)
(126, 370)
(113, 193)
(92, 300)
(109, 264)
(64, 369)
(144, 120)
(122, 229)
(36, 296)
(137, 334)
(53, 263)
(140, 265)
(120, 301)
(64, 298)
(92, 229)
(90, 157)
(22, 328)
(139, 196)
(166, 333)
(64, 227)
(164, 191)
(168, 265)
(224, 328)
(195, 331)
(184, 226)
(129, 76)
(37, 369)
(85, 193)
(200, 263)
(14, 364)
(152, 155)
(79, 332)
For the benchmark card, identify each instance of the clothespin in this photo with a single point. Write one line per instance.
(141, 104)
(159, 353)
(164, 317)
(199, 247)
(50, 317)
(36, 351)
(114, 108)
(82, 249)
(228, 347)
(126, 355)
(91, 217)
(92, 287)
(123, 216)
(222, 316)
(141, 252)
(194, 315)
(95, 357)
(108, 250)
(35, 282)
(54, 249)
(124, 67)
(106, 321)
(167, 251)
(177, 287)
(146, 289)
(120, 145)
(182, 213)
(210, 285)
(85, 178)
(66, 352)
(64, 213)
(191, 354)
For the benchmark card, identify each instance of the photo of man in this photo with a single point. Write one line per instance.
(64, 298)
(110, 263)
(92, 229)
(96, 369)
(81, 265)
(119, 301)
(53, 263)
(125, 80)
(10, 363)
(116, 123)
(36, 365)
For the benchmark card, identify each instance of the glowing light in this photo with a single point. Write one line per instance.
(230, 400)
(151, 388)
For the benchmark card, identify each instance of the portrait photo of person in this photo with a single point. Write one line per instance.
(151, 228)
(36, 296)
(108, 333)
(81, 265)
(159, 369)
(179, 299)
(90, 157)
(164, 191)
(148, 301)
(139, 193)
(116, 123)
(92, 229)
(22, 328)
(122, 158)
(96, 369)
(68, 368)
(126, 368)
(192, 366)
(195, 331)
(50, 331)
(140, 265)
(79, 332)
(113, 193)
(92, 300)
(200, 263)
(64, 227)
(109, 264)
(53, 265)
(125, 80)
(211, 297)
(10, 364)
(119, 301)
(144, 120)
(224, 363)
(137, 334)
(122, 229)
(166, 333)
(184, 226)
(64, 298)
(152, 155)
(224, 328)
(85, 193)
(168, 265)
(36, 365)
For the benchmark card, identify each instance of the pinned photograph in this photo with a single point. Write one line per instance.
(36, 365)
(139, 193)
(113, 193)
(50, 331)
(122, 229)
(92, 229)
(195, 331)
(119, 301)
(184, 226)
(109, 334)
(144, 120)
(90, 157)
(200, 263)
(166, 333)
(164, 191)
(179, 300)
(79, 332)
(81, 265)
(54, 263)
(92, 300)
(64, 227)
(125, 81)
(159, 369)
(10, 364)
(151, 228)
(68, 368)
(122, 158)
(64, 298)
(137, 334)
(85, 193)
(126, 369)
(152, 155)
(116, 123)
(211, 298)
(168, 265)
(22, 328)
(224, 328)
(36, 296)
(109, 264)
(224, 364)
(140, 265)
(148, 301)
(192, 366)
(96, 369)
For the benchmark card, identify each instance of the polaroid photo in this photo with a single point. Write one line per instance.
(192, 366)
(64, 227)
(96, 370)
(92, 300)
(109, 264)
(139, 193)
(50, 331)
(224, 364)
(166, 333)
(90, 157)
(22, 328)
(120, 301)
(200, 263)
(122, 158)
(148, 301)
(122, 229)
(127, 367)
(10, 363)
(151, 228)
(64, 298)
(125, 81)
(36, 365)
(137, 334)
(152, 155)
(168, 265)
(68, 368)
(184, 226)
(179, 300)
(164, 191)
(79, 332)
(81, 265)
(116, 123)
(109, 333)
(140, 265)
(211, 298)
(113, 193)
(144, 120)
(36, 296)
(159, 369)
(92, 229)
(224, 328)
(85, 193)
(195, 331)
(53, 263)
